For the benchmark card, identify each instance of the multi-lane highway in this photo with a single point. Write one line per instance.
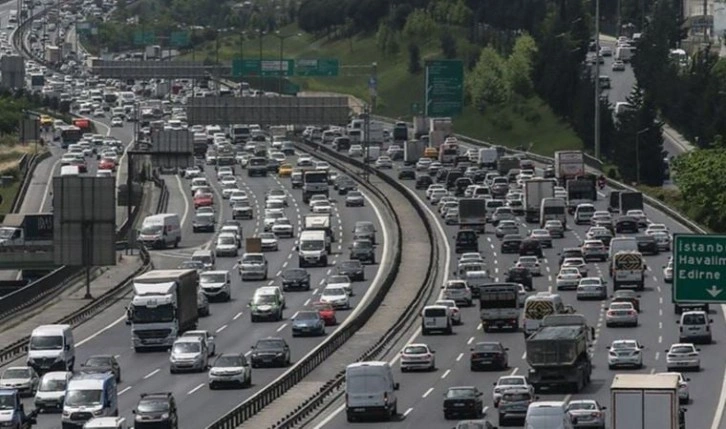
(420, 398)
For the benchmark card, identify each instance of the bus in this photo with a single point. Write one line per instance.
(448, 151)
(540, 305)
(499, 305)
(68, 134)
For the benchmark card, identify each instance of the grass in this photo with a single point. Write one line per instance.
(526, 123)
(8, 195)
(10, 157)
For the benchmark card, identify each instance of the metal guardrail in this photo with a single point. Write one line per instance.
(317, 356)
(163, 203)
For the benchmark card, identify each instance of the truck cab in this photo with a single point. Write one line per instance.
(13, 411)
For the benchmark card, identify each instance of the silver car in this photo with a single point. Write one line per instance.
(568, 278)
(453, 310)
(668, 272)
(684, 395)
(555, 228)
(586, 413)
(230, 369)
(543, 236)
(625, 353)
(188, 354)
(622, 314)
(24, 379)
(531, 263)
(458, 291)
(591, 288)
(506, 227)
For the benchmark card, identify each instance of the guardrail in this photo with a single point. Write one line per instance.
(160, 183)
(317, 356)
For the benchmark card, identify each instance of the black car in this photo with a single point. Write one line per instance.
(101, 364)
(363, 250)
(270, 352)
(344, 184)
(466, 240)
(520, 275)
(423, 181)
(353, 269)
(488, 354)
(295, 278)
(647, 245)
(626, 224)
(453, 177)
(203, 223)
(463, 401)
(407, 173)
(530, 246)
(156, 410)
(273, 165)
(461, 184)
(511, 243)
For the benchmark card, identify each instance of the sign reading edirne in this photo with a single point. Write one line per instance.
(699, 268)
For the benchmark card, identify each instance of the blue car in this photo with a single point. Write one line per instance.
(308, 323)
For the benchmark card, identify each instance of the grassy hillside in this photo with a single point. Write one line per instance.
(529, 123)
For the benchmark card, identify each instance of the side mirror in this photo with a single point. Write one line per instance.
(396, 386)
(607, 347)
(603, 408)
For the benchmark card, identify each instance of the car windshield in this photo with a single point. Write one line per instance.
(487, 347)
(338, 279)
(312, 245)
(511, 381)
(212, 278)
(415, 350)
(362, 244)
(46, 342)
(204, 218)
(75, 398)
(307, 315)
(228, 361)
(569, 272)
(16, 373)
(151, 229)
(590, 282)
(265, 299)
(456, 285)
(52, 385)
(253, 259)
(190, 265)
(226, 240)
(582, 406)
(185, 347)
(682, 349)
(350, 265)
(624, 345)
(99, 361)
(270, 345)
(152, 406)
(460, 393)
(694, 319)
(334, 291)
(354, 194)
(621, 306)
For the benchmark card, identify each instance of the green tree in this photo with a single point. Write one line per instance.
(448, 45)
(414, 59)
(520, 65)
(487, 83)
(702, 190)
(420, 26)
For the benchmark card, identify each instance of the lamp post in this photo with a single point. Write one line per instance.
(637, 153)
(260, 34)
(281, 75)
(597, 79)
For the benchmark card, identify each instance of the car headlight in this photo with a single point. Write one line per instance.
(98, 412)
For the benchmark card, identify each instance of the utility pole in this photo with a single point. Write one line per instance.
(705, 21)
(619, 21)
(597, 79)
(366, 141)
(374, 89)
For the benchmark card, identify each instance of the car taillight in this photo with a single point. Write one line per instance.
(632, 312)
(693, 355)
(595, 414)
(610, 313)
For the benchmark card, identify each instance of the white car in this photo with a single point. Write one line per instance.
(657, 227)
(591, 288)
(305, 161)
(625, 353)
(24, 379)
(336, 296)
(228, 189)
(458, 291)
(275, 204)
(430, 190)
(684, 395)
(521, 294)
(683, 356)
(668, 272)
(226, 245)
(639, 215)
(228, 179)
(621, 313)
(384, 162)
(224, 171)
(277, 194)
(454, 311)
(321, 207)
(322, 165)
(238, 196)
(437, 194)
(531, 263)
(471, 257)
(355, 151)
(117, 122)
(417, 356)
(283, 228)
(268, 241)
(423, 164)
(578, 263)
(230, 369)
(270, 218)
(568, 278)
(508, 383)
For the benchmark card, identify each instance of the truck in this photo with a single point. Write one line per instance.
(499, 305)
(581, 190)
(557, 353)
(488, 157)
(535, 191)
(374, 134)
(439, 129)
(614, 204)
(506, 163)
(315, 182)
(645, 401)
(152, 52)
(628, 269)
(320, 222)
(13, 411)
(400, 132)
(53, 54)
(163, 307)
(253, 245)
(27, 230)
(473, 214)
(420, 127)
(630, 201)
(569, 164)
(200, 145)
(413, 150)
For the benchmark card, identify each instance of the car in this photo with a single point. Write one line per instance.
(344, 282)
(277, 194)
(577, 262)
(668, 272)
(188, 354)
(511, 243)
(423, 164)
(601, 216)
(156, 410)
(203, 199)
(618, 65)
(305, 161)
(363, 250)
(238, 196)
(308, 322)
(418, 357)
(406, 173)
(354, 199)
(202, 304)
(684, 356)
(621, 313)
(647, 244)
(336, 296)
(531, 263)
(471, 257)
(594, 250)
(230, 368)
(506, 227)
(268, 241)
(508, 383)
(599, 233)
(458, 291)
(513, 407)
(591, 288)
(568, 278)
(24, 379)
(384, 161)
(351, 268)
(226, 245)
(519, 275)
(625, 295)
(282, 227)
(586, 413)
(284, 170)
(321, 206)
(99, 113)
(326, 312)
(452, 216)
(684, 395)
(488, 354)
(203, 222)
(626, 224)
(423, 182)
(695, 327)
(107, 164)
(454, 312)
(639, 216)
(529, 246)
(253, 266)
(242, 210)
(270, 218)
(463, 401)
(662, 240)
(206, 337)
(101, 364)
(228, 189)
(355, 151)
(543, 236)
(625, 353)
(117, 122)
(656, 227)
(270, 352)
(295, 278)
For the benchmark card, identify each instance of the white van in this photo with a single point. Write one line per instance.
(553, 209)
(312, 248)
(436, 318)
(161, 231)
(70, 170)
(51, 348)
(206, 257)
(622, 244)
(106, 423)
(370, 390)
(624, 53)
(695, 327)
(547, 415)
(51, 390)
(87, 396)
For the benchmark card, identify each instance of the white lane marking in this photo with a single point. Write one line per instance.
(221, 328)
(270, 283)
(660, 300)
(484, 410)
(95, 334)
(718, 415)
(284, 325)
(124, 390)
(652, 371)
(471, 340)
(237, 316)
(295, 315)
(48, 184)
(447, 372)
(514, 371)
(428, 392)
(660, 339)
(315, 291)
(151, 374)
(524, 355)
(407, 412)
(660, 325)
(479, 327)
(195, 389)
(458, 358)
(185, 198)
(657, 355)
(248, 353)
(567, 399)
(306, 302)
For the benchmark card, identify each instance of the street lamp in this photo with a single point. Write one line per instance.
(282, 42)
(637, 153)
(597, 79)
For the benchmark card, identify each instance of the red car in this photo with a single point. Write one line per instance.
(203, 200)
(107, 164)
(326, 312)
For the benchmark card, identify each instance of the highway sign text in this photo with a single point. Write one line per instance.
(699, 268)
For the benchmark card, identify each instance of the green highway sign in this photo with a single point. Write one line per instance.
(144, 38)
(444, 87)
(180, 39)
(699, 268)
(317, 67)
(264, 68)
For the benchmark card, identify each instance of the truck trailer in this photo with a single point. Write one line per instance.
(535, 191)
(630, 201)
(645, 401)
(473, 214)
(569, 164)
(413, 150)
(27, 230)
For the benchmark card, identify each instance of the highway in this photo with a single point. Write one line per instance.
(420, 398)
(230, 322)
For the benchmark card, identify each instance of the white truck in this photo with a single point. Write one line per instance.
(320, 222)
(569, 164)
(413, 150)
(499, 306)
(473, 214)
(488, 157)
(535, 191)
(420, 127)
(153, 52)
(645, 401)
(163, 307)
(26, 230)
(439, 129)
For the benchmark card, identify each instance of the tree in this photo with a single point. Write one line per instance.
(420, 26)
(487, 83)
(414, 59)
(520, 65)
(701, 189)
(448, 45)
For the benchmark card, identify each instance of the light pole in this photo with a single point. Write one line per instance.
(637, 153)
(597, 79)
(260, 34)
(282, 71)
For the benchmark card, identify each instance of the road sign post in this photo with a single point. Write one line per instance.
(699, 268)
(444, 88)
(317, 67)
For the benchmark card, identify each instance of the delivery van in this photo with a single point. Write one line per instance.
(51, 348)
(161, 231)
(370, 390)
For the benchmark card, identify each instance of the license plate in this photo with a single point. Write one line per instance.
(359, 410)
(458, 405)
